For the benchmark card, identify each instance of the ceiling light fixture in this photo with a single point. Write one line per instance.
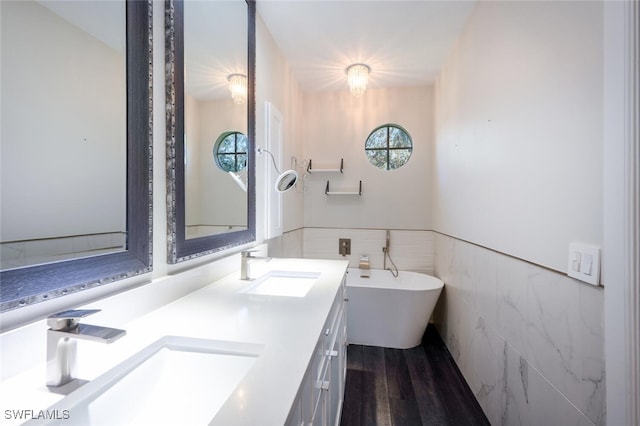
(238, 88)
(357, 77)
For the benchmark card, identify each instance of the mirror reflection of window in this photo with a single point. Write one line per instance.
(230, 151)
(389, 147)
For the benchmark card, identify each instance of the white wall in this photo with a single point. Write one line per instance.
(518, 176)
(519, 130)
(337, 126)
(276, 84)
(63, 128)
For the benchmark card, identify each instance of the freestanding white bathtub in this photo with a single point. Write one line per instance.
(390, 312)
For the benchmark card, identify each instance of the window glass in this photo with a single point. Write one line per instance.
(388, 147)
(230, 151)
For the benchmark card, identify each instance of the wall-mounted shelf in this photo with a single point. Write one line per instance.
(358, 192)
(312, 170)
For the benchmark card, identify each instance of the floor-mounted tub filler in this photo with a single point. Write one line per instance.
(388, 311)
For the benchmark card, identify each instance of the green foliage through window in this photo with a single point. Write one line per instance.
(388, 147)
(230, 151)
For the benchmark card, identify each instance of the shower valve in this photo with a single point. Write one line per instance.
(344, 246)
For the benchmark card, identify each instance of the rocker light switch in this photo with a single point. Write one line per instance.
(584, 263)
(575, 263)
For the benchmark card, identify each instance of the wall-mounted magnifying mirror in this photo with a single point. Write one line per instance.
(210, 51)
(286, 181)
(76, 144)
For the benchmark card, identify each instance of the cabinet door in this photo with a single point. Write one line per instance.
(321, 417)
(306, 400)
(337, 360)
(301, 413)
(295, 416)
(343, 352)
(318, 371)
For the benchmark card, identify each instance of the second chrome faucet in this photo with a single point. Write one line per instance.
(246, 257)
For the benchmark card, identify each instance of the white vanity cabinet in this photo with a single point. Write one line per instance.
(319, 399)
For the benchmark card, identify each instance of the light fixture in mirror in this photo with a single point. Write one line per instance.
(75, 187)
(207, 209)
(238, 88)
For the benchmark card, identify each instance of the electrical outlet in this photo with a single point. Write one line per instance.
(344, 246)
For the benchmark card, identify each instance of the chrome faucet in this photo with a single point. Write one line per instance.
(62, 339)
(245, 258)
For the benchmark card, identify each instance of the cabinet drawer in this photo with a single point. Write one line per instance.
(318, 371)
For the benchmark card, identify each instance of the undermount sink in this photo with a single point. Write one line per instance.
(175, 380)
(284, 283)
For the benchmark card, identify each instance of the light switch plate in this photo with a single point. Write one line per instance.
(584, 263)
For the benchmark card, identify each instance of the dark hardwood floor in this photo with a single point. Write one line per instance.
(407, 387)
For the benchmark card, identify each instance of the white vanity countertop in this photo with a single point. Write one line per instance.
(288, 327)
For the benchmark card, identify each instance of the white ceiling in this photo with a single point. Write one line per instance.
(215, 46)
(404, 42)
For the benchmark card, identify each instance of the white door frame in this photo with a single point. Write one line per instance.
(274, 145)
(621, 254)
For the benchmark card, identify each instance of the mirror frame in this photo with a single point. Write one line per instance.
(179, 247)
(25, 286)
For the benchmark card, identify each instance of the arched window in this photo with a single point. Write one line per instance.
(230, 151)
(388, 147)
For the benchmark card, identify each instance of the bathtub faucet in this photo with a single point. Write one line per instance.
(62, 339)
(385, 251)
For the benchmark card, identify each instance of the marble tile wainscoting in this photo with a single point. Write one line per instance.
(410, 250)
(528, 340)
(17, 254)
(287, 245)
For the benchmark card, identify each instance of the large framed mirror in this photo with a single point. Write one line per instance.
(210, 65)
(76, 146)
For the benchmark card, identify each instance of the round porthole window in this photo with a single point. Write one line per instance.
(230, 151)
(388, 147)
